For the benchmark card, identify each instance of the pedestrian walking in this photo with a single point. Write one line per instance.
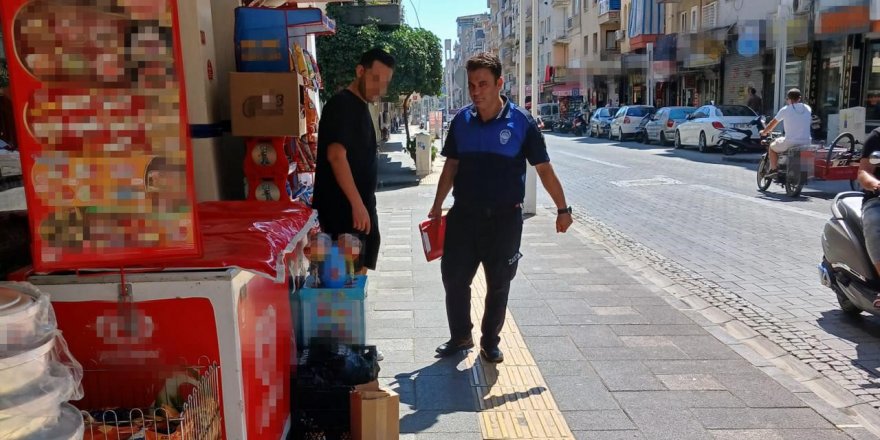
(347, 167)
(486, 152)
(755, 102)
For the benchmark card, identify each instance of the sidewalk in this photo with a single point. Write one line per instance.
(591, 352)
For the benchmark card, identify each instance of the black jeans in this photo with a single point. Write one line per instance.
(474, 236)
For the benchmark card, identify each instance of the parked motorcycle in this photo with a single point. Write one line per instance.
(579, 125)
(563, 126)
(793, 168)
(846, 268)
(733, 139)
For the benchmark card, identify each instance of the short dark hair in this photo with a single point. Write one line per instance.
(794, 94)
(376, 54)
(485, 60)
(752, 90)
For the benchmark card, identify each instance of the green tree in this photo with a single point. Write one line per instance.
(418, 54)
(338, 54)
(419, 67)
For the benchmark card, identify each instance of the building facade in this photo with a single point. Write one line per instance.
(693, 52)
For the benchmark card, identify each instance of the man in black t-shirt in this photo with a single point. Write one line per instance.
(347, 166)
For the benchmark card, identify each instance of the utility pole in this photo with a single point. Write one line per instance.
(530, 204)
(783, 14)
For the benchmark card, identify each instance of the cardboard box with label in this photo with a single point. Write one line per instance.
(266, 104)
(375, 413)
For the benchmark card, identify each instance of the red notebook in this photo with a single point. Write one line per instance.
(433, 231)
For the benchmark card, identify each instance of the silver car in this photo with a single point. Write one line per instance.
(661, 127)
(600, 122)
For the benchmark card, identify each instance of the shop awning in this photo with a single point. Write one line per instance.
(298, 22)
(572, 89)
(842, 17)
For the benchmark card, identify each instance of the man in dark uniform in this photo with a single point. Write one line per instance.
(347, 167)
(486, 151)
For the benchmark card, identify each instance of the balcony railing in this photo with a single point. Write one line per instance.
(606, 14)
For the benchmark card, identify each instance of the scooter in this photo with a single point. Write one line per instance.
(733, 139)
(846, 268)
(580, 125)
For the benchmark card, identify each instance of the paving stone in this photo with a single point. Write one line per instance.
(554, 348)
(606, 420)
(444, 393)
(779, 434)
(759, 391)
(751, 418)
(608, 435)
(666, 424)
(574, 393)
(626, 376)
(593, 336)
(427, 421)
(691, 382)
(567, 368)
(677, 399)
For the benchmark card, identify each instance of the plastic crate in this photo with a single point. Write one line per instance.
(336, 314)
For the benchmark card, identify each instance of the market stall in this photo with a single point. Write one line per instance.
(177, 308)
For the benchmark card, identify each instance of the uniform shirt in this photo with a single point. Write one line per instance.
(346, 120)
(797, 119)
(492, 155)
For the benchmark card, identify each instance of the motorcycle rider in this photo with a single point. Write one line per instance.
(797, 117)
(869, 178)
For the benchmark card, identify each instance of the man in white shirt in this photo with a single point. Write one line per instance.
(797, 117)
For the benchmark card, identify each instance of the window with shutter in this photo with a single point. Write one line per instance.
(710, 15)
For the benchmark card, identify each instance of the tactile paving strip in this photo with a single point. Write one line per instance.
(514, 400)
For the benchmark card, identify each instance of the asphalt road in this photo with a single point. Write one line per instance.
(706, 218)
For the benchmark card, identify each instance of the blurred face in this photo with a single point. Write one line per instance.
(373, 82)
(484, 88)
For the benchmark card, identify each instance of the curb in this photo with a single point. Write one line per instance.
(843, 401)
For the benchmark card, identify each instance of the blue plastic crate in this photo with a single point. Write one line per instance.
(331, 313)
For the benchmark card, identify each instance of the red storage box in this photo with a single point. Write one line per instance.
(433, 232)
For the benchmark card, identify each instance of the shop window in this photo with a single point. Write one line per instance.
(872, 102)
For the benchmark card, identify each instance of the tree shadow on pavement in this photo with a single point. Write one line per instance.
(442, 388)
(864, 332)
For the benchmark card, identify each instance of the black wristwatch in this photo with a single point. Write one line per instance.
(563, 211)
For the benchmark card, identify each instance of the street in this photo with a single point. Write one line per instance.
(699, 220)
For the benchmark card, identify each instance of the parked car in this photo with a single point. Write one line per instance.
(549, 113)
(600, 122)
(626, 121)
(703, 126)
(661, 126)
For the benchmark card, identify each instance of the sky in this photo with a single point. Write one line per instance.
(439, 16)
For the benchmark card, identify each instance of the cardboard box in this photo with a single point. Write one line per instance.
(375, 415)
(266, 104)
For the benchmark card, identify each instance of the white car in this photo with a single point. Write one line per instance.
(704, 125)
(626, 121)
